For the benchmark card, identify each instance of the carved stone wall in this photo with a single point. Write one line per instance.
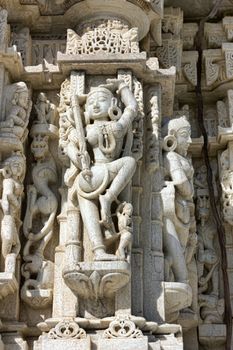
(108, 234)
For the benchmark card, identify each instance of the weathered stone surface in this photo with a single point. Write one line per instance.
(108, 238)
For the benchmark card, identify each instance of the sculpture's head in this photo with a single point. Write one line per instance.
(98, 103)
(39, 146)
(41, 97)
(179, 135)
(128, 209)
(21, 95)
(14, 166)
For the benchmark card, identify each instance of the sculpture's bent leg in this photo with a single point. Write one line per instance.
(121, 172)
(90, 215)
(7, 234)
(174, 251)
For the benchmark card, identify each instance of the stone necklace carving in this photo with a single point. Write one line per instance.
(106, 140)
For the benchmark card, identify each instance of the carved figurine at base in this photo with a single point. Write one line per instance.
(96, 179)
(177, 197)
(124, 214)
(12, 189)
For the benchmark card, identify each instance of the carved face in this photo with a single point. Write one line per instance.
(183, 137)
(23, 99)
(39, 147)
(98, 104)
(42, 97)
(17, 168)
(128, 209)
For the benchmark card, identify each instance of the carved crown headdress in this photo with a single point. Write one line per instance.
(100, 89)
(177, 123)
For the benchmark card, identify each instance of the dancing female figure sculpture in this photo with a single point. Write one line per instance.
(107, 169)
(177, 198)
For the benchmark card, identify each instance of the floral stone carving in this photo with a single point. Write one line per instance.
(106, 36)
(122, 327)
(67, 330)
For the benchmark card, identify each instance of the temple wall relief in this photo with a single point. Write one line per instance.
(108, 237)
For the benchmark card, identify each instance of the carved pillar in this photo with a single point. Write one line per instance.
(137, 251)
(4, 36)
(73, 242)
(64, 300)
(152, 237)
(225, 172)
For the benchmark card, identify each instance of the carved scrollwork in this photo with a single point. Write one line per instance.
(122, 327)
(170, 53)
(229, 64)
(67, 330)
(212, 71)
(190, 71)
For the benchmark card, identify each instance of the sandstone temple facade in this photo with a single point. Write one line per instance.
(116, 174)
